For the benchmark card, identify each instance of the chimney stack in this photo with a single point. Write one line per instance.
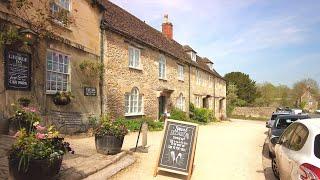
(167, 29)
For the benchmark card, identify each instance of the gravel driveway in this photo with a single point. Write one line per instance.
(227, 150)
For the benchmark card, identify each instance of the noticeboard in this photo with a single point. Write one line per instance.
(17, 70)
(178, 147)
(90, 91)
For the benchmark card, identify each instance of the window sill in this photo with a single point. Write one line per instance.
(60, 24)
(163, 79)
(136, 68)
(53, 92)
(138, 114)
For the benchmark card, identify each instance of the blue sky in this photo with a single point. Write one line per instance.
(271, 40)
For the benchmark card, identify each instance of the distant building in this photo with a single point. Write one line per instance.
(311, 103)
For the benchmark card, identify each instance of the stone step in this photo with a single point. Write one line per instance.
(82, 167)
(113, 169)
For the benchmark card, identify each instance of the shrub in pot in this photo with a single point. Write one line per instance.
(37, 155)
(109, 136)
(24, 102)
(62, 98)
(24, 117)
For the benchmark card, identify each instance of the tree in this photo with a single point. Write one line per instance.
(232, 98)
(267, 93)
(247, 90)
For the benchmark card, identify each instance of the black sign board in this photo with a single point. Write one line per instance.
(178, 147)
(17, 70)
(90, 91)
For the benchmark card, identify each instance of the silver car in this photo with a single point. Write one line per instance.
(297, 153)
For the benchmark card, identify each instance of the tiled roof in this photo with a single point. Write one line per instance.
(122, 22)
(188, 48)
(203, 64)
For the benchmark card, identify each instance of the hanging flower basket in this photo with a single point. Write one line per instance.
(62, 98)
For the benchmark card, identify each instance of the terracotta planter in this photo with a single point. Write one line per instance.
(108, 144)
(37, 169)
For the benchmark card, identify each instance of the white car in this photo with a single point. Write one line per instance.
(297, 153)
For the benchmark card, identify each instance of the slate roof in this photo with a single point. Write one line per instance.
(122, 22)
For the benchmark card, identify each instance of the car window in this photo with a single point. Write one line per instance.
(299, 137)
(285, 137)
(317, 146)
(273, 117)
(283, 123)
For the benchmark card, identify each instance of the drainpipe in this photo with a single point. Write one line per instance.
(214, 96)
(101, 84)
(189, 88)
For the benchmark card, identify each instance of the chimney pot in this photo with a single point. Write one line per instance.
(167, 27)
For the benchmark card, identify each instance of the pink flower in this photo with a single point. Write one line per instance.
(40, 128)
(40, 136)
(32, 109)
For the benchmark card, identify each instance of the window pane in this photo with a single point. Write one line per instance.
(65, 78)
(61, 68)
(137, 58)
(131, 57)
(53, 85)
(48, 85)
(48, 76)
(65, 87)
(59, 86)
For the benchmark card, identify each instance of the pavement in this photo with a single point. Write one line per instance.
(226, 150)
(85, 163)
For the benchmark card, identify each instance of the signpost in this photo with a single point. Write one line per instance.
(17, 70)
(178, 148)
(90, 91)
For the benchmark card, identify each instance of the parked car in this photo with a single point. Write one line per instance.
(297, 153)
(274, 115)
(279, 125)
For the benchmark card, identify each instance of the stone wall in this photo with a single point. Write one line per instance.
(254, 111)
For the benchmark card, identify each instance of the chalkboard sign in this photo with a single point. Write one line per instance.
(17, 70)
(178, 147)
(90, 91)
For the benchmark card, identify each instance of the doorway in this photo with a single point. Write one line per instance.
(162, 105)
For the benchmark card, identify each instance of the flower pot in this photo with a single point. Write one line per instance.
(4, 125)
(24, 103)
(37, 169)
(108, 144)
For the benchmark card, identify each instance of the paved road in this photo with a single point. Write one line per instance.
(228, 150)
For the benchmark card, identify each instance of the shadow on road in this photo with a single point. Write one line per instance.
(266, 163)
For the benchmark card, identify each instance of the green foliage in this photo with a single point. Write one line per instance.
(303, 105)
(247, 90)
(24, 117)
(177, 114)
(9, 35)
(201, 115)
(91, 68)
(134, 124)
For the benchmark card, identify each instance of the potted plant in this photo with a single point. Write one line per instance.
(109, 136)
(62, 98)
(37, 155)
(24, 117)
(24, 102)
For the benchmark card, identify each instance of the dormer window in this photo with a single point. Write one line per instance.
(193, 56)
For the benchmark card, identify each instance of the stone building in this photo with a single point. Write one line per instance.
(311, 102)
(148, 72)
(52, 63)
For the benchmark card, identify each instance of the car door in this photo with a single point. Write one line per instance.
(282, 148)
(297, 141)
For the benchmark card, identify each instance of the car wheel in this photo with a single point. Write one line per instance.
(275, 167)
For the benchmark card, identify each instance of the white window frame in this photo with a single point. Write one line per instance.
(198, 77)
(180, 72)
(60, 4)
(198, 101)
(162, 67)
(134, 57)
(51, 72)
(193, 56)
(181, 102)
(134, 103)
